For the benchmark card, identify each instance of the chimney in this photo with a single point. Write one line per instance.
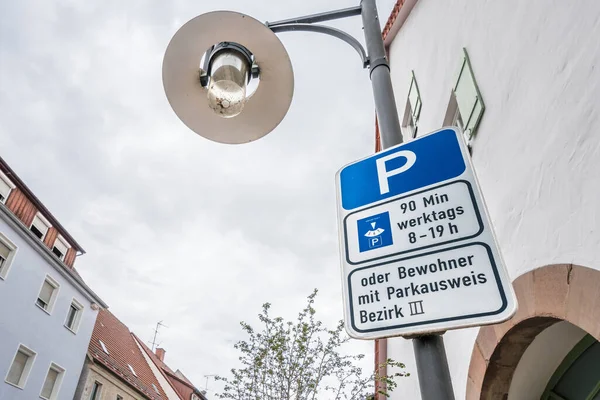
(160, 353)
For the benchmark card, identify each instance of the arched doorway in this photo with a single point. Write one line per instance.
(559, 306)
(578, 375)
(557, 366)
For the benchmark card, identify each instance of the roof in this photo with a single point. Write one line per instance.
(69, 273)
(397, 17)
(392, 17)
(39, 205)
(178, 381)
(122, 352)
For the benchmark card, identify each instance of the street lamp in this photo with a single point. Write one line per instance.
(214, 59)
(208, 68)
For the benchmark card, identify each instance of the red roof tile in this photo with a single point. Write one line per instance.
(183, 389)
(122, 352)
(180, 375)
(392, 17)
(182, 386)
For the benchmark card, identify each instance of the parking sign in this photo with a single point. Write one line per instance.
(417, 247)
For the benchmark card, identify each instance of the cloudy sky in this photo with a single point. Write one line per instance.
(177, 228)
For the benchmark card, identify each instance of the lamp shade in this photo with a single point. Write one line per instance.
(266, 107)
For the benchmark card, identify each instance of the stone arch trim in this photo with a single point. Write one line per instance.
(545, 295)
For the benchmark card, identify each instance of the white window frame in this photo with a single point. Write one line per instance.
(28, 366)
(453, 117)
(10, 185)
(78, 315)
(62, 241)
(6, 264)
(44, 221)
(56, 286)
(57, 383)
(412, 110)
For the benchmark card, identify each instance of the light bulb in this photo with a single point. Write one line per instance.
(227, 88)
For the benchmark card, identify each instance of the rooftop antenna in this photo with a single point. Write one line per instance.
(158, 325)
(207, 376)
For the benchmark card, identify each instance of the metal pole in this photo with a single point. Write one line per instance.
(379, 69)
(432, 365)
(432, 368)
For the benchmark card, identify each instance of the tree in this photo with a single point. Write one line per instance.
(300, 360)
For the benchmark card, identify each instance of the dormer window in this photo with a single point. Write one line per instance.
(40, 226)
(61, 246)
(5, 187)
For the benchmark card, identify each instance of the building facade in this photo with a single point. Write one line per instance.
(48, 312)
(120, 366)
(521, 79)
(115, 367)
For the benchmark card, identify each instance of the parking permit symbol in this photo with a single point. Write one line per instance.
(374, 232)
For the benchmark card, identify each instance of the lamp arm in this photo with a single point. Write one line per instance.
(327, 30)
(325, 16)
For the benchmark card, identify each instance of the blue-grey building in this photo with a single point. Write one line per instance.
(47, 312)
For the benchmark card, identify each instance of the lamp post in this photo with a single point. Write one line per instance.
(214, 59)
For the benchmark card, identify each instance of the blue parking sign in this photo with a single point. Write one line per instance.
(374, 232)
(413, 165)
(409, 218)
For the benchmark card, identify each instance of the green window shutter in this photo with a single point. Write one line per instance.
(414, 97)
(412, 111)
(469, 100)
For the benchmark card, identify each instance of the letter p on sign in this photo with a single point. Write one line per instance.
(383, 174)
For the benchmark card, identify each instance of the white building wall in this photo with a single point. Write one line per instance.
(537, 150)
(22, 322)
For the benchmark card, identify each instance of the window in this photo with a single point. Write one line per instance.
(4, 254)
(52, 382)
(155, 388)
(119, 397)
(103, 346)
(5, 187)
(40, 226)
(466, 104)
(20, 367)
(74, 315)
(131, 369)
(412, 110)
(7, 253)
(61, 246)
(96, 391)
(47, 295)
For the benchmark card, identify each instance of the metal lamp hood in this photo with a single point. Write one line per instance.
(262, 112)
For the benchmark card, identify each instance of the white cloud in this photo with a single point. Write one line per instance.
(177, 228)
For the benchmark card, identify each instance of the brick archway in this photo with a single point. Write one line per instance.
(546, 296)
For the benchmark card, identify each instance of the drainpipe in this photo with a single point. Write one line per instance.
(380, 367)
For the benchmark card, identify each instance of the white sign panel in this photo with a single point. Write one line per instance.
(418, 250)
